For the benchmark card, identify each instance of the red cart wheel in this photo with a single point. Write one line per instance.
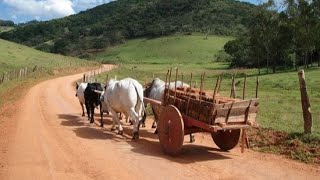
(226, 140)
(171, 130)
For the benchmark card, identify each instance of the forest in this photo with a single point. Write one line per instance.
(279, 38)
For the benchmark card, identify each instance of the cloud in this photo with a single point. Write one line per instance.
(49, 9)
(45, 9)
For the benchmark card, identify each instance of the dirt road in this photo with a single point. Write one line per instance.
(46, 138)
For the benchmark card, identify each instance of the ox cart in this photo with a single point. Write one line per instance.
(187, 110)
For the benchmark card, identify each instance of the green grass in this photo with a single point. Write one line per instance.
(166, 50)
(14, 56)
(5, 28)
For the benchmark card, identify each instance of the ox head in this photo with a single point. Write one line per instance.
(148, 88)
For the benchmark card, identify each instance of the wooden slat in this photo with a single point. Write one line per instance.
(246, 103)
(236, 119)
(236, 111)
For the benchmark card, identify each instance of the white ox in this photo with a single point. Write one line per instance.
(155, 90)
(124, 96)
(80, 94)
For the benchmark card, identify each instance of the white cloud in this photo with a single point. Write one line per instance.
(86, 4)
(45, 9)
(49, 9)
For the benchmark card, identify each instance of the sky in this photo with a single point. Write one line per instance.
(20, 11)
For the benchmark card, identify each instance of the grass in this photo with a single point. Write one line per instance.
(5, 28)
(166, 50)
(14, 56)
(280, 109)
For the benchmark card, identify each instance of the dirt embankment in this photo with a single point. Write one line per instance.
(43, 136)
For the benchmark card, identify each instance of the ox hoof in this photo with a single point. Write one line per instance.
(153, 126)
(135, 136)
(156, 131)
(101, 125)
(91, 122)
(83, 115)
(120, 132)
(113, 129)
(143, 125)
(192, 139)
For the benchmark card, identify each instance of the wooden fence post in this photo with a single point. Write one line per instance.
(307, 116)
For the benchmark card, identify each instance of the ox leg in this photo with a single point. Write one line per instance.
(192, 139)
(135, 119)
(101, 115)
(154, 124)
(92, 112)
(88, 109)
(115, 119)
(143, 120)
(82, 109)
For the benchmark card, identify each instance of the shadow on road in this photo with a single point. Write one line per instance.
(147, 145)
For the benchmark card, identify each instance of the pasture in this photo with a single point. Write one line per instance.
(14, 56)
(5, 28)
(280, 104)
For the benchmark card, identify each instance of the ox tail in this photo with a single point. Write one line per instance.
(140, 98)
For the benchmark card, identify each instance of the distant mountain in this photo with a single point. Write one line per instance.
(113, 23)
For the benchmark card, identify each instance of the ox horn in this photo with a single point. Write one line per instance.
(99, 92)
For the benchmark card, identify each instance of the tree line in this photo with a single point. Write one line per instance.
(6, 23)
(279, 37)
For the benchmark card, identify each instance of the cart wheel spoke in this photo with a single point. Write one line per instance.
(171, 130)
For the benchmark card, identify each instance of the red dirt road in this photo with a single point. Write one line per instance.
(46, 138)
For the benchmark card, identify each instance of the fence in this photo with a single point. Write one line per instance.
(16, 73)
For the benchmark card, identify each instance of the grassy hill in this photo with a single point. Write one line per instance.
(117, 21)
(5, 28)
(14, 56)
(177, 49)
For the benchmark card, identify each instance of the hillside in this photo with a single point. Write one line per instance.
(166, 50)
(14, 56)
(113, 23)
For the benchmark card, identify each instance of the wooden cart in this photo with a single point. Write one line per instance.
(186, 110)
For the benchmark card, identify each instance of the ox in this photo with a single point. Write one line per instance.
(124, 96)
(92, 100)
(155, 90)
(80, 94)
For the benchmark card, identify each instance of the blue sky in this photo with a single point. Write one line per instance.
(26, 10)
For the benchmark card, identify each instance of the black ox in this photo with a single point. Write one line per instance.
(92, 100)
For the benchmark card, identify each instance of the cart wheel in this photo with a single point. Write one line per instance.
(226, 140)
(171, 130)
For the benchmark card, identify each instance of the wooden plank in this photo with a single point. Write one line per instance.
(236, 111)
(151, 101)
(237, 119)
(254, 102)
